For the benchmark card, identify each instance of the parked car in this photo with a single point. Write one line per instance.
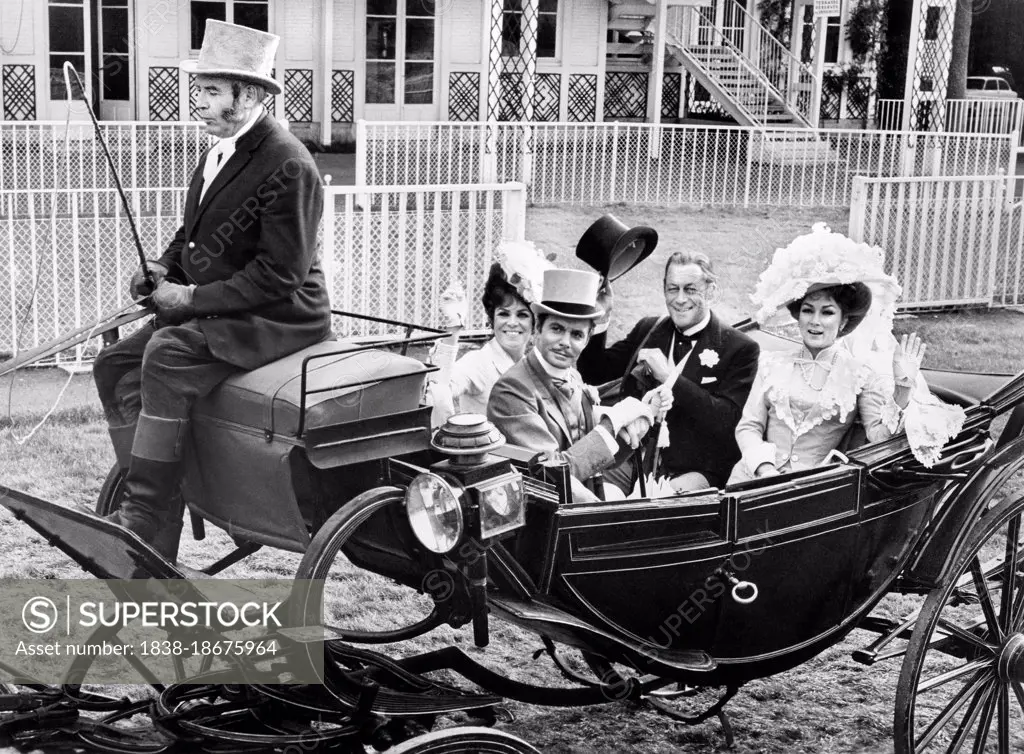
(989, 87)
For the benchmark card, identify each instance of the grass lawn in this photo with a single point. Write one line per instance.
(829, 704)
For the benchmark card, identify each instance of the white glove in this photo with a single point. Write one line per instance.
(660, 401)
(453, 307)
(627, 411)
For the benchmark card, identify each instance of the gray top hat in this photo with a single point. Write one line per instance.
(236, 52)
(571, 294)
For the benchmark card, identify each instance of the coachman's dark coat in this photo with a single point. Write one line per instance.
(251, 249)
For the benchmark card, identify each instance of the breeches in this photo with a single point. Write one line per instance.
(161, 372)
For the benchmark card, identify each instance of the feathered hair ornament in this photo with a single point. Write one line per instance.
(524, 264)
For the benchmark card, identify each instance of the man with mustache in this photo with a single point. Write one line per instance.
(541, 404)
(238, 286)
(709, 394)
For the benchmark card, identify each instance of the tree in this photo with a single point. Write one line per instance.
(956, 88)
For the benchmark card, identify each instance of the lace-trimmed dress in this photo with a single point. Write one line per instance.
(788, 423)
(471, 380)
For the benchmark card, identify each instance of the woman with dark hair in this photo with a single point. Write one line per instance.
(805, 399)
(464, 385)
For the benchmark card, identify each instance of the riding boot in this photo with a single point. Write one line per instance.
(154, 475)
(122, 438)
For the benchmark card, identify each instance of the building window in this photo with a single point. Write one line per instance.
(252, 13)
(400, 44)
(115, 64)
(67, 44)
(512, 41)
(833, 27)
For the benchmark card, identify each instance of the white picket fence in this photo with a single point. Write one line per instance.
(52, 154)
(962, 116)
(951, 241)
(603, 163)
(387, 251)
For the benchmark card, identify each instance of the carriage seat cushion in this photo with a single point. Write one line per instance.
(268, 398)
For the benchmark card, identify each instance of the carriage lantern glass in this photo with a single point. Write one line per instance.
(435, 514)
(502, 505)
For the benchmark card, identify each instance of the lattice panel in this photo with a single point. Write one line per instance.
(163, 93)
(858, 98)
(831, 97)
(671, 92)
(931, 71)
(343, 97)
(298, 95)
(700, 101)
(546, 96)
(19, 92)
(583, 97)
(625, 95)
(463, 95)
(512, 60)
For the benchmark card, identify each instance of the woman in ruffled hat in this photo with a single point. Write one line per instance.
(512, 285)
(805, 399)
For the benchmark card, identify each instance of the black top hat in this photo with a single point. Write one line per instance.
(613, 248)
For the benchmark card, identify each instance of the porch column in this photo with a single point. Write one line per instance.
(658, 74)
(820, 29)
(909, 119)
(327, 66)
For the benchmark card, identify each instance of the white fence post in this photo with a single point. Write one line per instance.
(513, 225)
(858, 197)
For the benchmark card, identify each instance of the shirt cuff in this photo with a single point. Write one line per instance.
(763, 453)
(613, 445)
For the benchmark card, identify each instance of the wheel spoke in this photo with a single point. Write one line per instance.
(1018, 691)
(970, 717)
(1003, 700)
(977, 666)
(951, 708)
(986, 720)
(1006, 611)
(985, 598)
(962, 633)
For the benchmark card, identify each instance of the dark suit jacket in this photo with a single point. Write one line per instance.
(251, 249)
(708, 400)
(531, 412)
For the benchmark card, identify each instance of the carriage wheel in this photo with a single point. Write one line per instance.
(373, 609)
(961, 686)
(465, 740)
(109, 499)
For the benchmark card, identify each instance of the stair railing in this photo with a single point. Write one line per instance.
(681, 22)
(792, 79)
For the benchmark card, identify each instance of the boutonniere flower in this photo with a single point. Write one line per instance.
(708, 358)
(591, 391)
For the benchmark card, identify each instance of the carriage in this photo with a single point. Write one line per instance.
(329, 453)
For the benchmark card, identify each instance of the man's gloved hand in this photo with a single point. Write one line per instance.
(138, 287)
(173, 302)
(635, 431)
(627, 411)
(660, 400)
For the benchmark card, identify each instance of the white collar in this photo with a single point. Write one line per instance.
(499, 355)
(690, 331)
(553, 371)
(229, 142)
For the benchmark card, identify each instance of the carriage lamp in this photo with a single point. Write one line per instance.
(435, 513)
(490, 482)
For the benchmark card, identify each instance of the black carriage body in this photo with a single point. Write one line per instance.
(273, 454)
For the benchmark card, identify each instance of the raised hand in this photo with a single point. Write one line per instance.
(907, 358)
(453, 307)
